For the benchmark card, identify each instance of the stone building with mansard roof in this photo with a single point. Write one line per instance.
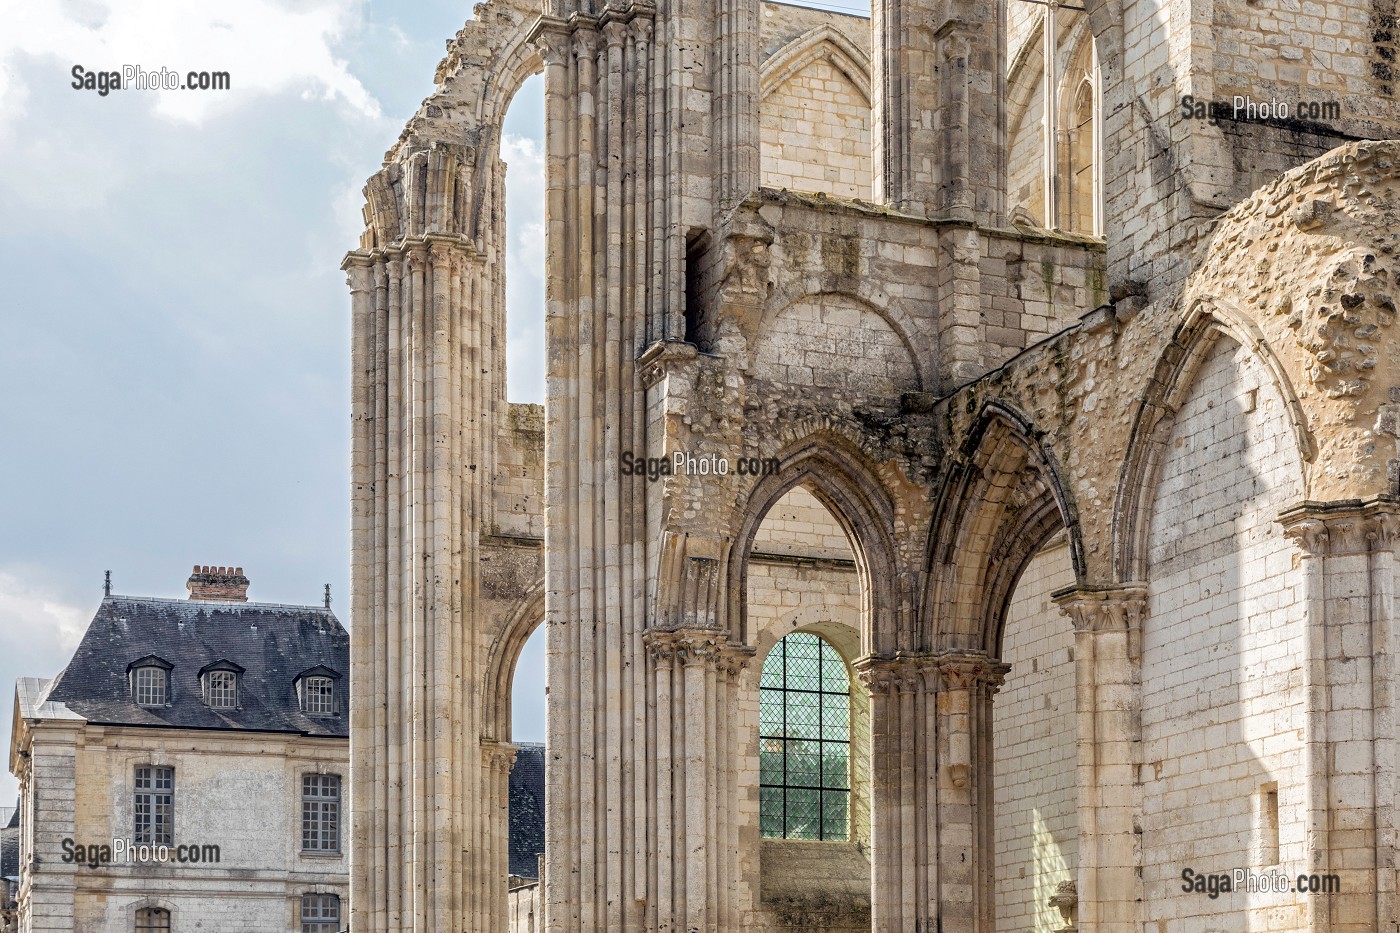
(212, 731)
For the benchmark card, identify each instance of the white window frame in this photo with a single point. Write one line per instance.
(320, 813)
(159, 681)
(318, 695)
(218, 693)
(153, 805)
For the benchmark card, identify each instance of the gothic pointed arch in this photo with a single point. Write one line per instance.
(841, 480)
(1002, 500)
(819, 42)
(501, 661)
(1203, 325)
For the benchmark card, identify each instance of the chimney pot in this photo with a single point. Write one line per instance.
(218, 583)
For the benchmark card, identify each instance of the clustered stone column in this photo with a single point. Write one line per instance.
(424, 409)
(614, 285)
(931, 754)
(1351, 737)
(1108, 703)
(694, 763)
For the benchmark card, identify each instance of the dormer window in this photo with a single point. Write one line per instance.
(150, 681)
(219, 682)
(316, 690)
(320, 696)
(150, 686)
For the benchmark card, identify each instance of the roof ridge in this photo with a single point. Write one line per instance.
(218, 602)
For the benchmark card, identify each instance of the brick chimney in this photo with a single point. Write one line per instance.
(225, 583)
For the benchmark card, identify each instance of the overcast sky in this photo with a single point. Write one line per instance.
(174, 326)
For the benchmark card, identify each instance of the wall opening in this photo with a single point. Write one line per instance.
(526, 794)
(522, 149)
(1034, 749)
(1053, 119)
(806, 722)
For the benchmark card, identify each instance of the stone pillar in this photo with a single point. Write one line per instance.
(422, 423)
(695, 862)
(937, 121)
(931, 813)
(1108, 686)
(1349, 567)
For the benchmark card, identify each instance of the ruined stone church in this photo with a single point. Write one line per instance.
(1017, 544)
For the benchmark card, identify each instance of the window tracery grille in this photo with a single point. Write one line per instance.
(804, 741)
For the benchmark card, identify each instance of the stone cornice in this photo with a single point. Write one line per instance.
(1104, 609)
(1347, 526)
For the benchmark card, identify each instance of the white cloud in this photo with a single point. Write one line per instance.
(38, 628)
(265, 48)
(525, 257)
(39, 631)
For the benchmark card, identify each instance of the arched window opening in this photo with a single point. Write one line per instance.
(806, 731)
(526, 793)
(804, 741)
(1054, 118)
(522, 149)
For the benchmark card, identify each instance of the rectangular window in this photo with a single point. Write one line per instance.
(320, 696)
(150, 686)
(155, 806)
(320, 813)
(152, 920)
(223, 689)
(320, 913)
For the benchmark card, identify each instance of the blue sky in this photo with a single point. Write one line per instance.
(174, 327)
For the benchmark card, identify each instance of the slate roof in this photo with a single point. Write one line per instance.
(271, 642)
(527, 810)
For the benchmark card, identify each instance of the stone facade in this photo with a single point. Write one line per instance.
(1182, 435)
(235, 857)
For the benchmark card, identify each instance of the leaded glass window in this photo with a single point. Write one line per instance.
(804, 730)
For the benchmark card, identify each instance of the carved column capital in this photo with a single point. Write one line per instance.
(971, 670)
(499, 756)
(614, 31)
(1351, 526)
(1108, 609)
(691, 646)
